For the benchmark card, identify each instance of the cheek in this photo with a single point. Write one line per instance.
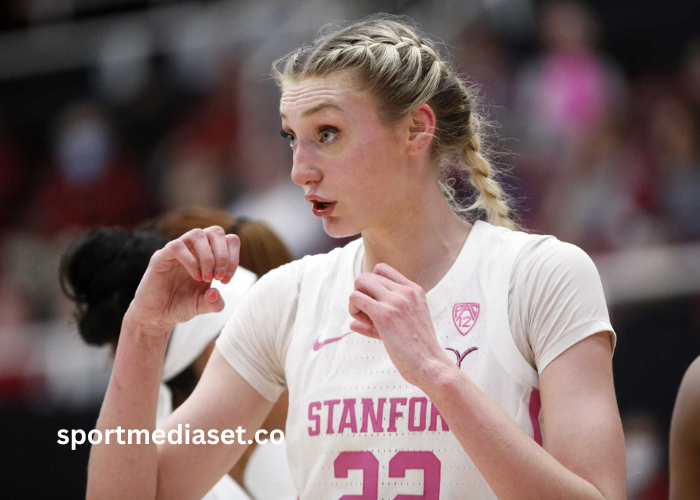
(375, 156)
(368, 173)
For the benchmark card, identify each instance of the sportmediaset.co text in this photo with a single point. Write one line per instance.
(173, 436)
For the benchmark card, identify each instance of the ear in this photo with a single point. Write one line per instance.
(421, 127)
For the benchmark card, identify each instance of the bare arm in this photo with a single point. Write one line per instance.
(685, 437)
(222, 400)
(175, 288)
(130, 402)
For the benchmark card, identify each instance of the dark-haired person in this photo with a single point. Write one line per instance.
(437, 356)
(685, 437)
(100, 273)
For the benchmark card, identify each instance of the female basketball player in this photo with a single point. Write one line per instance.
(481, 362)
(685, 437)
(102, 269)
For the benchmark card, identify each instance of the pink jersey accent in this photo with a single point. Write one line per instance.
(412, 414)
(315, 418)
(460, 357)
(318, 345)
(465, 315)
(359, 460)
(535, 406)
(425, 460)
(348, 420)
(368, 413)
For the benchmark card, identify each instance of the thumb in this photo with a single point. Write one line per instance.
(210, 301)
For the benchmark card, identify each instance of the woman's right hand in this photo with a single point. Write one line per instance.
(177, 284)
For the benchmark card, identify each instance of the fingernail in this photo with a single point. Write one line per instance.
(221, 273)
(227, 279)
(198, 275)
(210, 276)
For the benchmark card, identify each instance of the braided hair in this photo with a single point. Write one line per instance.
(402, 69)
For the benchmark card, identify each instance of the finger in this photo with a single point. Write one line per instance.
(367, 331)
(358, 315)
(386, 282)
(203, 251)
(368, 284)
(210, 301)
(177, 250)
(364, 303)
(392, 274)
(217, 242)
(233, 245)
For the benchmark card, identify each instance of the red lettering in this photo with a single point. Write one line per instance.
(347, 419)
(434, 414)
(412, 414)
(394, 413)
(315, 418)
(330, 404)
(368, 414)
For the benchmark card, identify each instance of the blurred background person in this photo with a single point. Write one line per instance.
(101, 272)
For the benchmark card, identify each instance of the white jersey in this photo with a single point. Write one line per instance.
(355, 426)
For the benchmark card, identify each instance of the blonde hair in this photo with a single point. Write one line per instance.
(402, 69)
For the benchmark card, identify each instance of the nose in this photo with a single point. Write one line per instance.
(304, 169)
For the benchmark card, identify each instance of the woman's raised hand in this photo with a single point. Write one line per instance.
(177, 284)
(389, 307)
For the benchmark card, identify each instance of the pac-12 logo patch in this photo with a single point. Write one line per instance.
(465, 316)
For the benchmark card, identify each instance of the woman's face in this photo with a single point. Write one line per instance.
(353, 167)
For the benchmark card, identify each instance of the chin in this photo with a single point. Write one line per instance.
(337, 227)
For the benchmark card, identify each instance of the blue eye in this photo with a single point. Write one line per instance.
(289, 137)
(328, 134)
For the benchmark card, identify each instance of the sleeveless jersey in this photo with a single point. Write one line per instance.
(356, 429)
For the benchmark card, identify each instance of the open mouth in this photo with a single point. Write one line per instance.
(323, 208)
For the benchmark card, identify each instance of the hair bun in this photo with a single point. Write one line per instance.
(101, 272)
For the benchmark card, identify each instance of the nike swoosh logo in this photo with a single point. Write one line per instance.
(318, 345)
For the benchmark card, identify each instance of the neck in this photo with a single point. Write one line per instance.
(422, 242)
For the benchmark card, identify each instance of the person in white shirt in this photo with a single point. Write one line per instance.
(438, 356)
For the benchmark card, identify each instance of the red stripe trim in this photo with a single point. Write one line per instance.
(535, 406)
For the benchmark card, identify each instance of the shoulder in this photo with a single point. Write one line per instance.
(556, 297)
(545, 259)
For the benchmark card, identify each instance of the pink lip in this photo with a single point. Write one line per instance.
(323, 212)
(312, 197)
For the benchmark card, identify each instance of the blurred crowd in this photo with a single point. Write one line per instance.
(596, 158)
(600, 158)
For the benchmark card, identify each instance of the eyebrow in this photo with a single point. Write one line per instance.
(316, 109)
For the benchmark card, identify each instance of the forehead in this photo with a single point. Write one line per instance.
(338, 89)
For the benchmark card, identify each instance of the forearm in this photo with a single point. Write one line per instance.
(129, 470)
(512, 463)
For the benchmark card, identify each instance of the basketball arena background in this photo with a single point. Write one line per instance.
(113, 111)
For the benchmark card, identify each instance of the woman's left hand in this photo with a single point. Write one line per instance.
(387, 306)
